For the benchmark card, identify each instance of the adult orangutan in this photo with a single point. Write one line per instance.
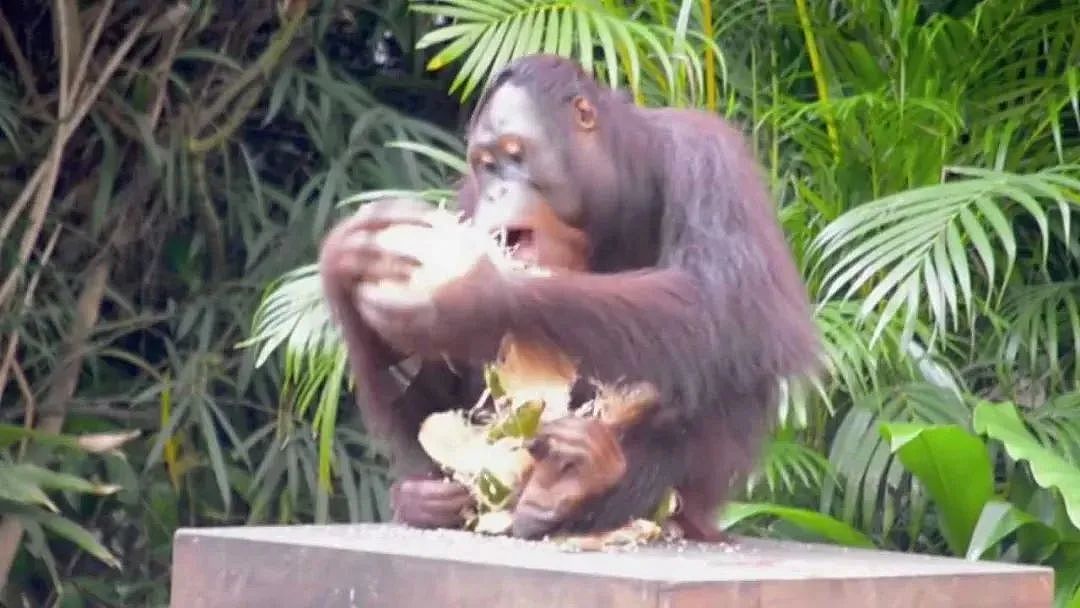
(674, 272)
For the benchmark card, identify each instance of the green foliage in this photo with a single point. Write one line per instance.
(213, 150)
(25, 488)
(174, 190)
(790, 468)
(940, 457)
(1033, 518)
(818, 524)
(927, 170)
(1050, 471)
(491, 34)
(919, 249)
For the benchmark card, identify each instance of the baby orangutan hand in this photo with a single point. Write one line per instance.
(430, 502)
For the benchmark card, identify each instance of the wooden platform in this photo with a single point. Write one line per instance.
(369, 566)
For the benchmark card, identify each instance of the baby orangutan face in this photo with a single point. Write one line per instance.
(575, 460)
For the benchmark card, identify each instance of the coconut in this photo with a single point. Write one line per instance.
(446, 250)
(484, 448)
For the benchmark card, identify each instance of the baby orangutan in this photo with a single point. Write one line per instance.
(521, 454)
(567, 476)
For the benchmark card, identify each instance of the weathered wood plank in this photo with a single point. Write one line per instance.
(371, 566)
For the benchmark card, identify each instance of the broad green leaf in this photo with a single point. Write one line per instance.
(820, 524)
(667, 507)
(493, 382)
(1066, 564)
(1073, 600)
(997, 521)
(954, 467)
(493, 491)
(1002, 422)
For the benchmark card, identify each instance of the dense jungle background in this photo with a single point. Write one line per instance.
(167, 170)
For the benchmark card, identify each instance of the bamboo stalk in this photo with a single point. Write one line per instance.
(710, 59)
(69, 122)
(819, 75)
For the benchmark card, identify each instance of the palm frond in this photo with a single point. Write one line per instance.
(788, 466)
(927, 240)
(1057, 424)
(858, 365)
(1043, 326)
(294, 314)
(488, 35)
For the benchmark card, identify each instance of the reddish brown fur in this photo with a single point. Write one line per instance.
(691, 287)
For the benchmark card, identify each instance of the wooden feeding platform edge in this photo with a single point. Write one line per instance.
(376, 565)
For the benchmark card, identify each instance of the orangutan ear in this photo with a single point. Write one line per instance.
(584, 113)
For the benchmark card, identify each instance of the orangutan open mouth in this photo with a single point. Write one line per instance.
(520, 241)
(518, 237)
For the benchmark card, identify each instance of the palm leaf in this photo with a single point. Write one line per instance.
(858, 365)
(788, 466)
(1057, 424)
(918, 242)
(488, 35)
(1041, 322)
(293, 313)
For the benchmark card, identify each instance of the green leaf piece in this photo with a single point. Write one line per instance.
(954, 467)
(522, 422)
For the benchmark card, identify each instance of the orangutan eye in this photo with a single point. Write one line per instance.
(512, 147)
(487, 160)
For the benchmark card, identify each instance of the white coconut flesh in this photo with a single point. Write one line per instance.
(446, 251)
